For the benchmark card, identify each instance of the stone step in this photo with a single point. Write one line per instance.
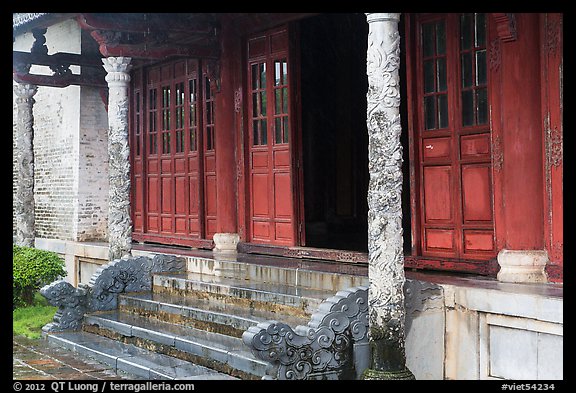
(270, 270)
(279, 297)
(132, 359)
(203, 314)
(218, 351)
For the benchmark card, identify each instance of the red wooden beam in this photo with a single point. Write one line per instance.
(125, 24)
(151, 51)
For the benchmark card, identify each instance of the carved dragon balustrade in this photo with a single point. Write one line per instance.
(130, 274)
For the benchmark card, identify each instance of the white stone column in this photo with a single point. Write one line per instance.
(119, 219)
(385, 245)
(25, 227)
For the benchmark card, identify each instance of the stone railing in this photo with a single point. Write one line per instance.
(129, 274)
(334, 344)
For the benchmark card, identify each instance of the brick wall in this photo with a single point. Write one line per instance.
(91, 222)
(70, 148)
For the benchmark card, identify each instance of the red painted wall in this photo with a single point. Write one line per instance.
(522, 137)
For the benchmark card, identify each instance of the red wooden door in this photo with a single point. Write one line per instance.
(270, 144)
(453, 137)
(174, 179)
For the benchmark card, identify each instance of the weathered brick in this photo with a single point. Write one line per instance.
(70, 148)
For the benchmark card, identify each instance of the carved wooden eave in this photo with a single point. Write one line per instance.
(153, 36)
(23, 22)
(109, 47)
(62, 77)
(505, 26)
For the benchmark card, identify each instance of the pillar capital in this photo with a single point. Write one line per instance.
(383, 17)
(24, 91)
(118, 69)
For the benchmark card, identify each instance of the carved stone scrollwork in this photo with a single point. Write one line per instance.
(132, 274)
(321, 350)
(71, 303)
(124, 275)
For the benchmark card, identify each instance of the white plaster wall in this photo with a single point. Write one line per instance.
(70, 148)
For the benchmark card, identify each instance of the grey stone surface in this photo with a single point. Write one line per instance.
(216, 347)
(290, 295)
(134, 360)
(109, 323)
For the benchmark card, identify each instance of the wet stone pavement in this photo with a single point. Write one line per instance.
(38, 360)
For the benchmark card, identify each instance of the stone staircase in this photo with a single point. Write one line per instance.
(190, 323)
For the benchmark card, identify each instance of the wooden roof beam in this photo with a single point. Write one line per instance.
(94, 22)
(109, 47)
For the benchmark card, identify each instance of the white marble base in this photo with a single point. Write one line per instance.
(522, 266)
(226, 242)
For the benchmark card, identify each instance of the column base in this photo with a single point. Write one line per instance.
(373, 375)
(522, 266)
(226, 243)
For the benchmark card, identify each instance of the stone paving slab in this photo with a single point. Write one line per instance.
(39, 360)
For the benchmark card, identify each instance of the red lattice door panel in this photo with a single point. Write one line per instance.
(270, 144)
(453, 137)
(174, 179)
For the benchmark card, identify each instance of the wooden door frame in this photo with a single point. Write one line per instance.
(294, 144)
(415, 259)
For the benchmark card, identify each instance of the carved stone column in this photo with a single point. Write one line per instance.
(385, 246)
(119, 220)
(25, 228)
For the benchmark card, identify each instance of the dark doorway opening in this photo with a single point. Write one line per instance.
(334, 133)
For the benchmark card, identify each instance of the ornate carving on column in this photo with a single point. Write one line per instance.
(25, 228)
(119, 220)
(385, 245)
